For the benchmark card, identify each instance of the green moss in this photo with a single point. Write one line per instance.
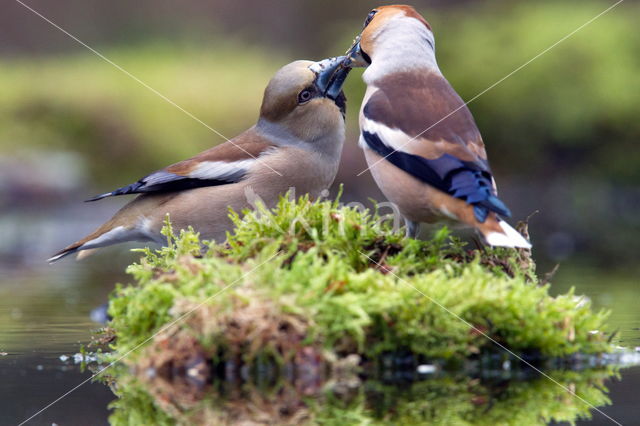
(442, 400)
(341, 280)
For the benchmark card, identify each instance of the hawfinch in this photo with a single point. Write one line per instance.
(296, 143)
(421, 142)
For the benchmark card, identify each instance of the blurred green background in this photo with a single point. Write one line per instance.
(560, 132)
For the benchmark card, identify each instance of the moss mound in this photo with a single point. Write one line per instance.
(331, 281)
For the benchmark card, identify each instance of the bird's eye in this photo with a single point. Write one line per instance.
(370, 17)
(304, 96)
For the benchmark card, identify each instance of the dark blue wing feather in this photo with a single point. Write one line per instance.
(163, 181)
(469, 181)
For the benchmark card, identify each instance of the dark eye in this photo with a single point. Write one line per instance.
(370, 17)
(304, 96)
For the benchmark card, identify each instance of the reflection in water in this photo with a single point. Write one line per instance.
(489, 397)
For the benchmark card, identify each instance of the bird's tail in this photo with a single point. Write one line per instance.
(107, 234)
(497, 232)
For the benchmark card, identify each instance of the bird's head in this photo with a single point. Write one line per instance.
(394, 29)
(305, 98)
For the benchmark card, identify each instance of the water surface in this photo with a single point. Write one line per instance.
(45, 313)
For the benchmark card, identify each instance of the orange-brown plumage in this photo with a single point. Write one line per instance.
(295, 145)
(406, 9)
(421, 142)
(416, 103)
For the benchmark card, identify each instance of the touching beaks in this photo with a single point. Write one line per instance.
(331, 74)
(356, 57)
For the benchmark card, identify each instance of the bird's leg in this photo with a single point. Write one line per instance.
(478, 242)
(413, 228)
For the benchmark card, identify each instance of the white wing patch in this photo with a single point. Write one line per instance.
(394, 138)
(221, 170)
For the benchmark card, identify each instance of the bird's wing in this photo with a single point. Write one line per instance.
(223, 164)
(421, 125)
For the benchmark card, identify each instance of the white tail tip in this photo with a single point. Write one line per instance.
(56, 257)
(509, 238)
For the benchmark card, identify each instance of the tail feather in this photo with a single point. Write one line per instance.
(505, 236)
(63, 253)
(76, 247)
(106, 235)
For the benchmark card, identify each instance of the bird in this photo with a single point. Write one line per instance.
(420, 140)
(295, 145)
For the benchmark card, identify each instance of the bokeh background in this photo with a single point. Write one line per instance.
(561, 133)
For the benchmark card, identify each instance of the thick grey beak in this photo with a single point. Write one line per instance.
(331, 74)
(355, 57)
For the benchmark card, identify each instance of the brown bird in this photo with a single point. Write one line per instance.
(296, 143)
(420, 140)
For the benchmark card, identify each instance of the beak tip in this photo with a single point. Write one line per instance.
(355, 57)
(331, 74)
